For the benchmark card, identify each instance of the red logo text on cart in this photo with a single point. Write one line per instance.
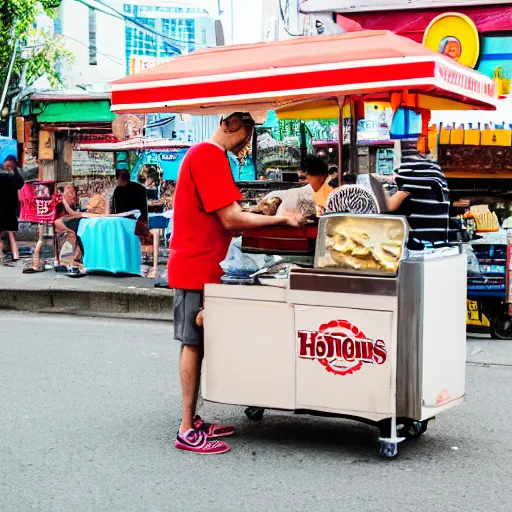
(341, 347)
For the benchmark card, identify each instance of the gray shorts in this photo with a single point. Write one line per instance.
(187, 304)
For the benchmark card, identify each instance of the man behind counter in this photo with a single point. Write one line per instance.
(129, 196)
(206, 214)
(423, 198)
(317, 173)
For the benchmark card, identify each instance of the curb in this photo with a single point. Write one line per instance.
(134, 304)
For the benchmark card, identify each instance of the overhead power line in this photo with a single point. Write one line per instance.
(285, 22)
(121, 15)
(113, 58)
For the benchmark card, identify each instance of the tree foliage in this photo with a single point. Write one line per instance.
(18, 30)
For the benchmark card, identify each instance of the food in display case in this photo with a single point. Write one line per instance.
(363, 243)
(486, 221)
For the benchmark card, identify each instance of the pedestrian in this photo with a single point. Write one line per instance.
(11, 181)
(206, 214)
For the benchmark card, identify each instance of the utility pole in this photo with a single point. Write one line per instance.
(9, 72)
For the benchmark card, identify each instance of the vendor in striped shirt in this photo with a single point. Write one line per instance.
(423, 198)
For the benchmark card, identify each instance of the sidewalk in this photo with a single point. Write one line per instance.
(50, 292)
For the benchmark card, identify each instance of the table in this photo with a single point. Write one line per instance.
(110, 245)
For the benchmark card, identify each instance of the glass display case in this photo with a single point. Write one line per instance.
(366, 244)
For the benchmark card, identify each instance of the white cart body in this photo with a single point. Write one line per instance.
(404, 339)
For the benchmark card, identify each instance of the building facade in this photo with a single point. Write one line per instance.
(96, 36)
(157, 31)
(112, 38)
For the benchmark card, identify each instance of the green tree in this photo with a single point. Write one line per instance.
(18, 30)
(45, 58)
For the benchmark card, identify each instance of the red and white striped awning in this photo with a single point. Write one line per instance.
(271, 75)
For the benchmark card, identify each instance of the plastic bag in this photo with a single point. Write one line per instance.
(473, 264)
(239, 264)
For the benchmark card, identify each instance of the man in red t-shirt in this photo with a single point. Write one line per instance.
(206, 213)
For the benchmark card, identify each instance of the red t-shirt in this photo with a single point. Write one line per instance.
(199, 241)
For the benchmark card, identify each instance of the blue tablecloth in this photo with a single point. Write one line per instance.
(110, 245)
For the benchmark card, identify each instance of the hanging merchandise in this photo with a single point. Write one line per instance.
(406, 124)
(38, 202)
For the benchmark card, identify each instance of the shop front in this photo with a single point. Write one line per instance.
(49, 126)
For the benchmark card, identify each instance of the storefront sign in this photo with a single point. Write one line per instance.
(341, 347)
(138, 64)
(170, 162)
(472, 84)
(454, 35)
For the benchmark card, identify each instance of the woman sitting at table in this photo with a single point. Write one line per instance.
(66, 224)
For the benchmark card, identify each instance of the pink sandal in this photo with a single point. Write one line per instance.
(198, 442)
(212, 430)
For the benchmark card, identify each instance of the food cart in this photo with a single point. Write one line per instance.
(368, 333)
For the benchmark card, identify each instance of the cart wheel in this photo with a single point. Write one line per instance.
(501, 327)
(254, 413)
(388, 450)
(413, 429)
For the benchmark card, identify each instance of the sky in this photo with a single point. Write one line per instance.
(247, 17)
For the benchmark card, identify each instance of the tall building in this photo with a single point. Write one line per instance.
(156, 31)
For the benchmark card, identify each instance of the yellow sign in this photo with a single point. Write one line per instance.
(474, 317)
(454, 35)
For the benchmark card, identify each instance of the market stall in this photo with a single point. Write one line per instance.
(358, 335)
(130, 154)
(474, 153)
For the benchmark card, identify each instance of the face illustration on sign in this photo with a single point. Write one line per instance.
(340, 347)
(451, 47)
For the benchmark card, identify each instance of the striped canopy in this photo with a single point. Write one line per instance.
(283, 74)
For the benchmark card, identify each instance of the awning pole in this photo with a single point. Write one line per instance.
(341, 101)
(353, 153)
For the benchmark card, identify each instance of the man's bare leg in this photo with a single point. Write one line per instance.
(190, 372)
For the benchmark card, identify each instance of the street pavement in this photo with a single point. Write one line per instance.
(89, 410)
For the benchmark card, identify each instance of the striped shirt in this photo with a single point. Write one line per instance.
(428, 208)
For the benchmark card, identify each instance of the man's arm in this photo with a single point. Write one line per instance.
(396, 200)
(234, 219)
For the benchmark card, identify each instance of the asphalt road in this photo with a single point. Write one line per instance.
(89, 410)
